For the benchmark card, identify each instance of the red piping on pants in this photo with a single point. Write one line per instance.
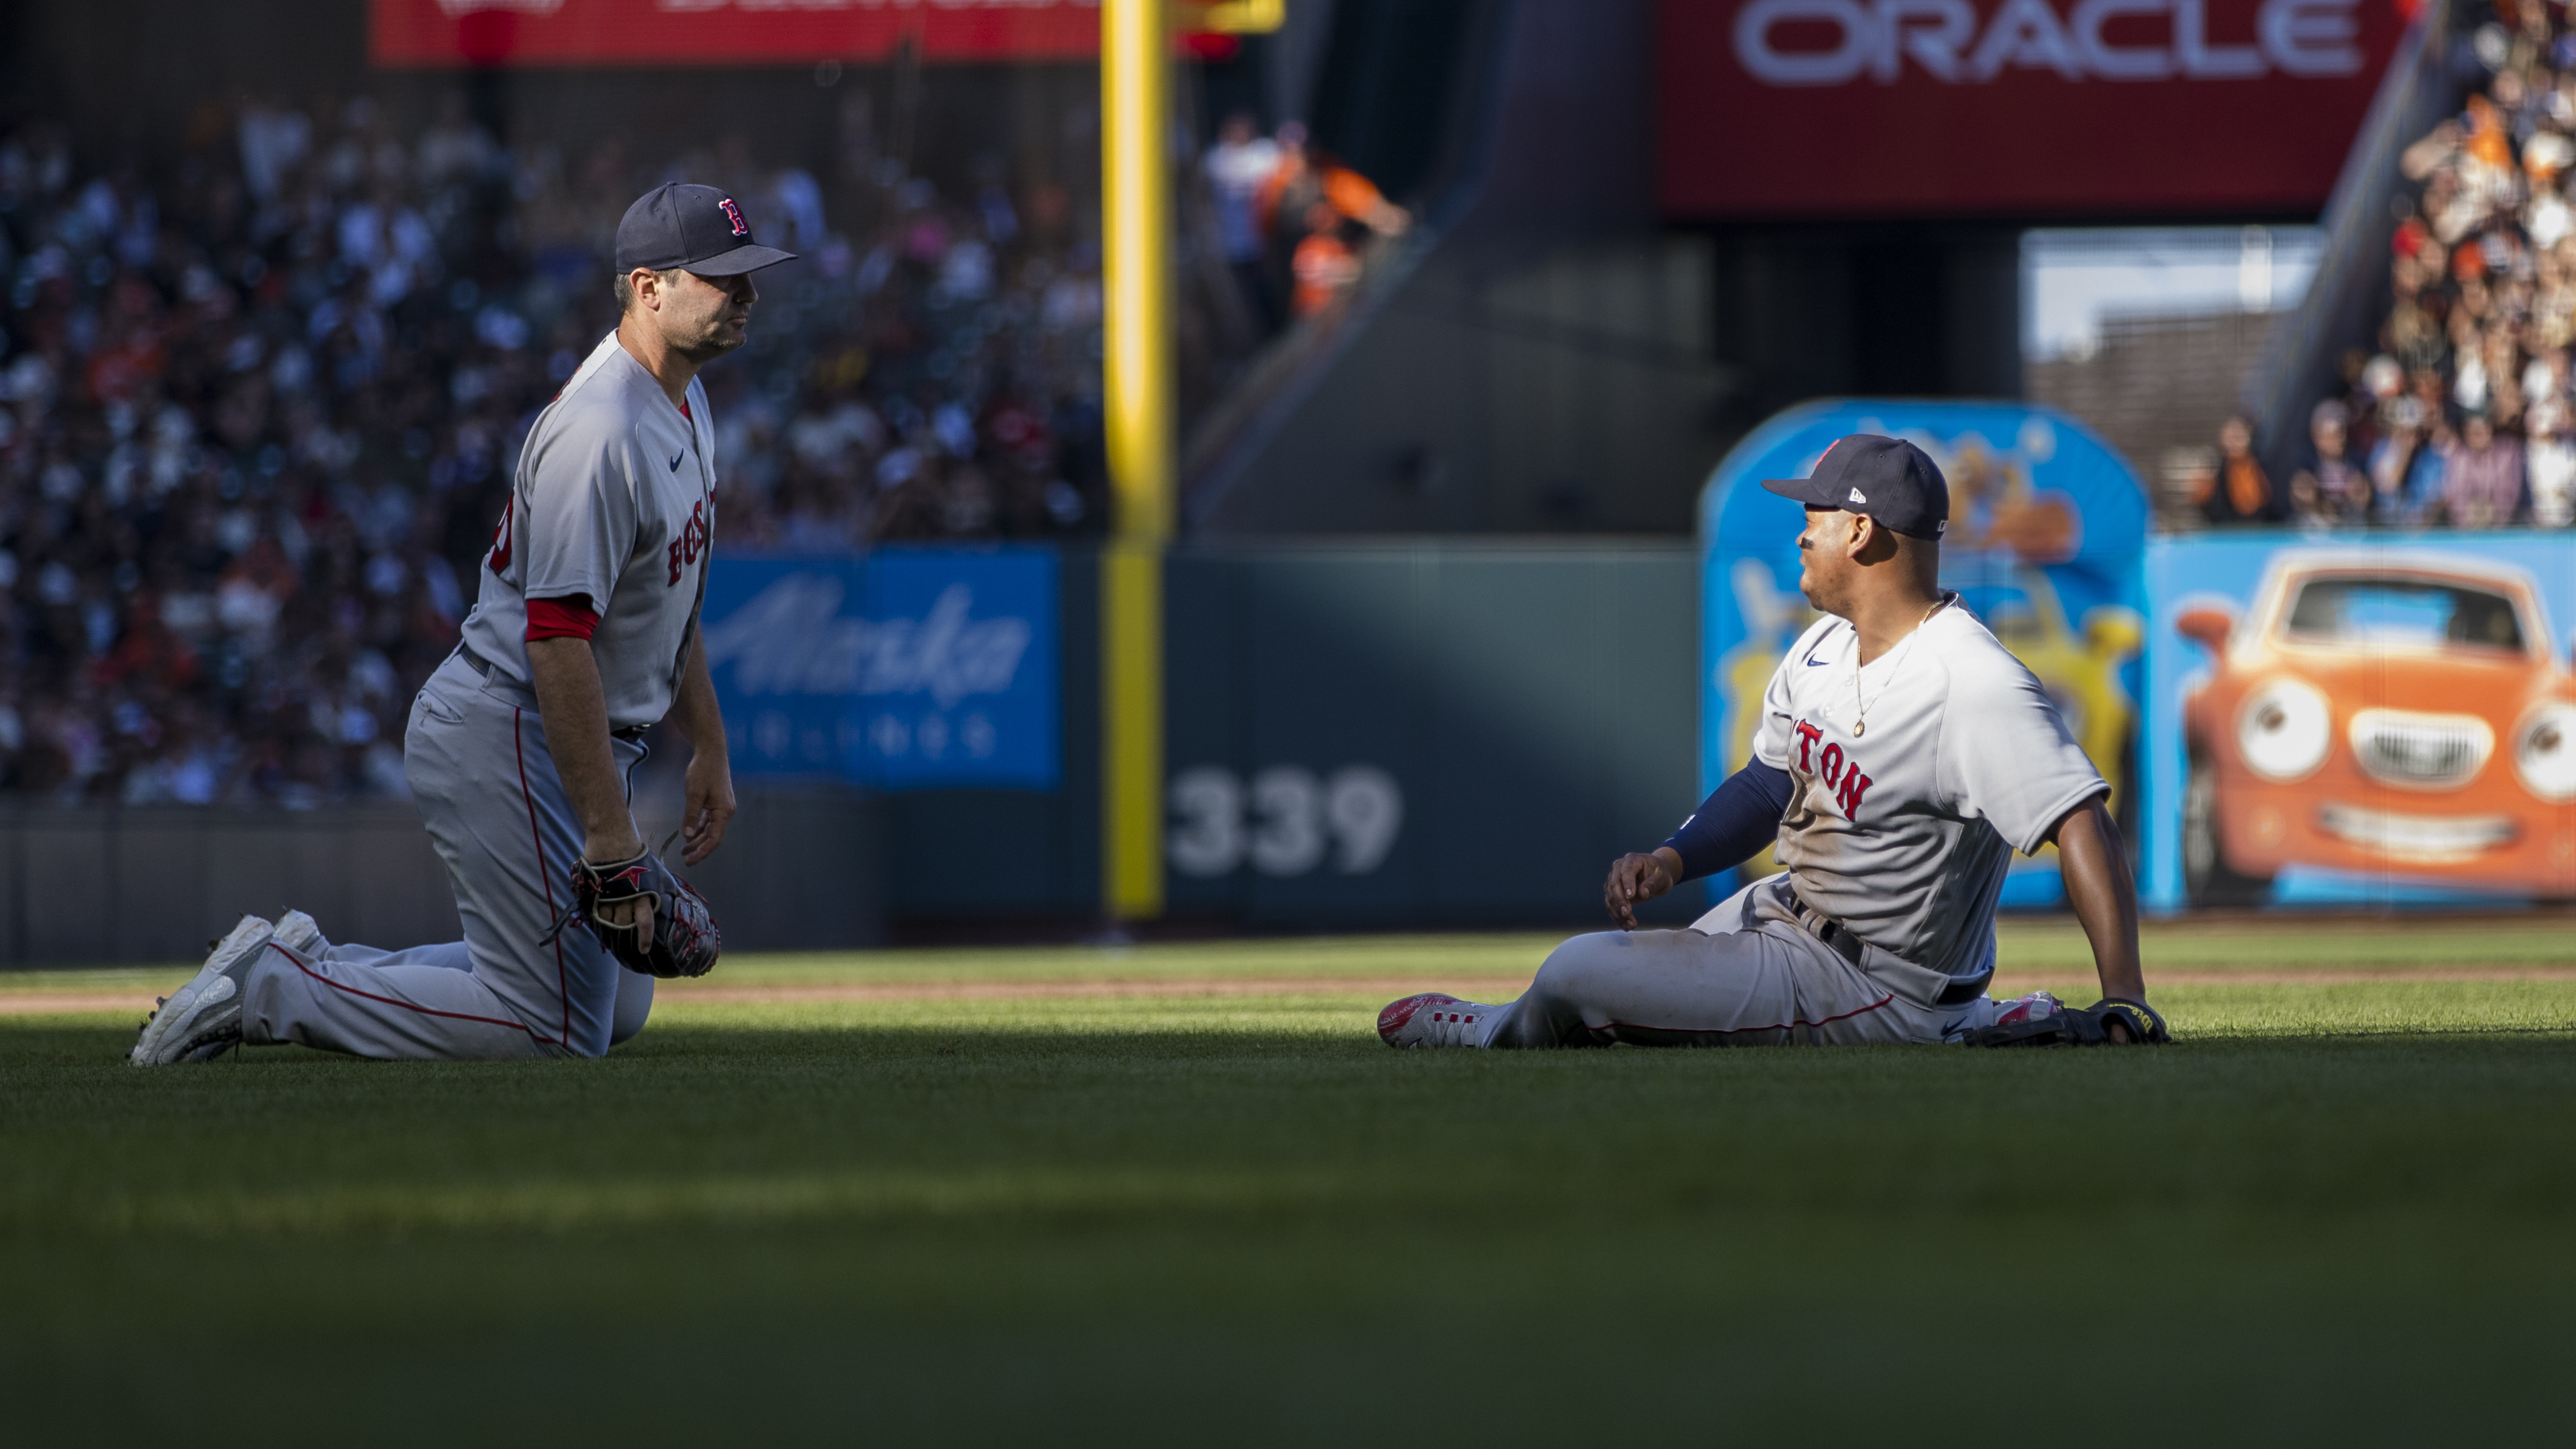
(1733, 1030)
(563, 994)
(389, 1001)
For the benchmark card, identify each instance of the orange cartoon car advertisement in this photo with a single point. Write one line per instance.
(2359, 721)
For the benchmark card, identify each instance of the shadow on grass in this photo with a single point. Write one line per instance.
(1271, 1227)
(940, 1125)
(1582, 1368)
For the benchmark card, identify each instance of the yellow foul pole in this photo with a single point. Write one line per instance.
(1136, 217)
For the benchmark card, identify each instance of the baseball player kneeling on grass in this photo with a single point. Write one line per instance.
(1903, 755)
(523, 746)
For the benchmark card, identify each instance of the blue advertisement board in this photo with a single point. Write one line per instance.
(2341, 719)
(901, 668)
(2047, 530)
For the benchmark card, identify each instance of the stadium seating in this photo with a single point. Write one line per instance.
(258, 412)
(2461, 414)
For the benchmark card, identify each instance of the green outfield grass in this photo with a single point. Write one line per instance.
(2338, 1206)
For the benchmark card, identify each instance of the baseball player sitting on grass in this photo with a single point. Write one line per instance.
(1902, 757)
(523, 746)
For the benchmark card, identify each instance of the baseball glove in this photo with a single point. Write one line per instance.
(2088, 1026)
(685, 941)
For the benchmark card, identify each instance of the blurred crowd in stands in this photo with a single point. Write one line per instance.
(259, 408)
(2463, 417)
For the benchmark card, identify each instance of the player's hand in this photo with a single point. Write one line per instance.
(637, 914)
(601, 849)
(708, 806)
(1634, 880)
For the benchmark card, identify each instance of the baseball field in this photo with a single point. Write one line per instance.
(1182, 1193)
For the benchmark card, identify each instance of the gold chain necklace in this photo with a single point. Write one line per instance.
(1860, 706)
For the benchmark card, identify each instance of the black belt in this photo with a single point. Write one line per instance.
(1834, 933)
(631, 734)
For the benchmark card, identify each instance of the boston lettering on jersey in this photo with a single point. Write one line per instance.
(500, 560)
(1905, 837)
(1841, 774)
(594, 514)
(692, 540)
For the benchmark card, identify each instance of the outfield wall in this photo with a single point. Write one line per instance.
(1359, 734)
(91, 885)
(1448, 734)
(1393, 733)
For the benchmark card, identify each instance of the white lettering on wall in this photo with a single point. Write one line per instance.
(1932, 33)
(2311, 37)
(1946, 40)
(2117, 62)
(2204, 61)
(1285, 823)
(2024, 35)
(1753, 26)
(791, 638)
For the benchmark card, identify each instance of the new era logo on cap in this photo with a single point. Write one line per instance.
(1906, 490)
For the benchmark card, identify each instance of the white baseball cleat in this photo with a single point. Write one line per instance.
(2037, 1006)
(298, 933)
(1986, 1012)
(203, 1017)
(1435, 1019)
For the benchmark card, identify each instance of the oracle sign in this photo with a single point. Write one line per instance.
(1795, 109)
(734, 32)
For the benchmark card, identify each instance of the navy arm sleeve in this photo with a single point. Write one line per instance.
(1734, 823)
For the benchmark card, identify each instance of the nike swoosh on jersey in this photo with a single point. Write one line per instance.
(676, 457)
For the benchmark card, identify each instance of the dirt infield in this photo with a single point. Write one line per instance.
(69, 1003)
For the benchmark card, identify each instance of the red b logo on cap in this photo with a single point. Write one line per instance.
(733, 214)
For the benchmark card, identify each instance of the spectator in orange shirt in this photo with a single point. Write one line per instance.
(2238, 491)
(1358, 198)
(1325, 264)
(2487, 141)
(1304, 177)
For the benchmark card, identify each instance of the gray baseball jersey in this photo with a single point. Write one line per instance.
(1914, 781)
(614, 501)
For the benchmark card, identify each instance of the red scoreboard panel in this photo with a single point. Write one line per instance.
(1825, 109)
(444, 33)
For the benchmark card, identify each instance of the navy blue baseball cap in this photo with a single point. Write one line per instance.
(695, 228)
(1889, 479)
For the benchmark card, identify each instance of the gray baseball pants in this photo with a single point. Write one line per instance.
(1746, 974)
(476, 758)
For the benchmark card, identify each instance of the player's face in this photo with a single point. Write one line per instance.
(702, 317)
(1824, 556)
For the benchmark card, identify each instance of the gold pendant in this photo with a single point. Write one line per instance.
(1858, 726)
